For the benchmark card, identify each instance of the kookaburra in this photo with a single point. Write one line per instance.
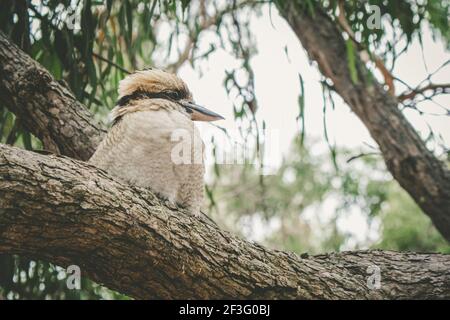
(153, 141)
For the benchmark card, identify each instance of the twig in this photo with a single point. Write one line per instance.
(428, 78)
(436, 88)
(362, 155)
(111, 63)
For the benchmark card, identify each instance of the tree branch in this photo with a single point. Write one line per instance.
(68, 212)
(443, 88)
(417, 170)
(45, 108)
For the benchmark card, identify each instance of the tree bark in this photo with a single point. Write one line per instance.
(417, 170)
(45, 108)
(69, 212)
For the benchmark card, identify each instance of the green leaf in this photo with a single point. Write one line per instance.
(351, 59)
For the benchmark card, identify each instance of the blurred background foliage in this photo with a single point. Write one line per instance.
(89, 46)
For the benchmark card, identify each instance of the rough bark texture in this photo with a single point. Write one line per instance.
(45, 107)
(417, 170)
(68, 212)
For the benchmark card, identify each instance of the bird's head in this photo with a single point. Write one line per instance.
(170, 90)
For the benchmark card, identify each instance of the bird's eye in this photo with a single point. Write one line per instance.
(173, 95)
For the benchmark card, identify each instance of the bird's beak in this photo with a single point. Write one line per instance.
(199, 113)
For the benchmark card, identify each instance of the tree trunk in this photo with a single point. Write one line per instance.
(45, 108)
(417, 170)
(69, 212)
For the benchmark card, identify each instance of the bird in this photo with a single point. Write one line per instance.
(153, 141)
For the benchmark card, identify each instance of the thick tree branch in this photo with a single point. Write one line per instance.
(45, 107)
(68, 212)
(417, 170)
